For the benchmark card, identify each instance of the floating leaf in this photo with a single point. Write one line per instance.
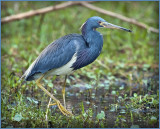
(87, 102)
(121, 88)
(107, 81)
(88, 86)
(35, 101)
(119, 97)
(106, 87)
(50, 84)
(77, 85)
(122, 111)
(113, 92)
(145, 81)
(32, 100)
(101, 115)
(101, 85)
(135, 126)
(146, 65)
(29, 99)
(122, 65)
(113, 109)
(153, 118)
(17, 117)
(111, 77)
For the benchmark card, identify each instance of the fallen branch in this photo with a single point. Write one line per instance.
(37, 12)
(121, 17)
(70, 3)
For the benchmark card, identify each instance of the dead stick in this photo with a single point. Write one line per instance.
(38, 11)
(121, 17)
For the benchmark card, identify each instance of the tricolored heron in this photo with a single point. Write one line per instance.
(68, 54)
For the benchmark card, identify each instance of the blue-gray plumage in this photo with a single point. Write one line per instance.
(69, 53)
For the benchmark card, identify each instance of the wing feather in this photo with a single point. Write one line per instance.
(53, 56)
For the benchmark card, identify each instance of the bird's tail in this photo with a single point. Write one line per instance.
(22, 78)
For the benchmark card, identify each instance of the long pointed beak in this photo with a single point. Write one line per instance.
(109, 25)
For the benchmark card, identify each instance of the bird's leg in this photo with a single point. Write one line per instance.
(49, 103)
(63, 91)
(62, 109)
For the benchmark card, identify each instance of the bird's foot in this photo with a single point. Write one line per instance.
(62, 109)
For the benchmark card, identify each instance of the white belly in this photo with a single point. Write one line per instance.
(65, 69)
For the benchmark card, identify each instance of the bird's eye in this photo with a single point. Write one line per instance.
(99, 22)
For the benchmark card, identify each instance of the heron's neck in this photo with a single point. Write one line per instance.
(94, 42)
(92, 37)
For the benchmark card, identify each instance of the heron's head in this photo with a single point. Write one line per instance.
(97, 22)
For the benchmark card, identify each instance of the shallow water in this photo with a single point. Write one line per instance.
(115, 95)
(108, 98)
